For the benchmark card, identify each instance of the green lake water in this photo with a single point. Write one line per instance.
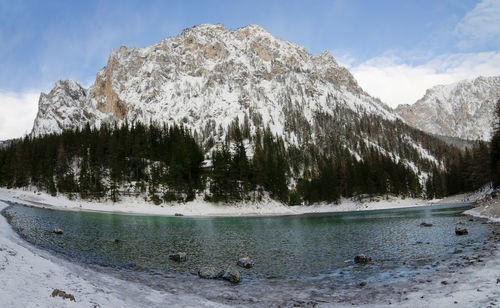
(287, 247)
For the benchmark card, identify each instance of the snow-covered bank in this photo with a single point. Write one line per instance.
(488, 201)
(28, 277)
(31, 267)
(198, 207)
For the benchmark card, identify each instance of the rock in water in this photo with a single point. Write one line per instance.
(459, 230)
(57, 231)
(178, 256)
(425, 224)
(63, 294)
(245, 262)
(232, 274)
(209, 272)
(363, 259)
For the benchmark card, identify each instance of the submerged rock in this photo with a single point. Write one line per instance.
(209, 272)
(459, 230)
(57, 231)
(232, 274)
(363, 259)
(63, 294)
(425, 224)
(245, 262)
(178, 256)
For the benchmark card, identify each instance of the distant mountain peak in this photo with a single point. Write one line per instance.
(463, 109)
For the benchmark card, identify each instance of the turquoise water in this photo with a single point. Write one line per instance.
(289, 247)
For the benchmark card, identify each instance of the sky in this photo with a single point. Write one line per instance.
(395, 49)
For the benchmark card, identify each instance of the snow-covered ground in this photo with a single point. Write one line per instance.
(199, 207)
(28, 275)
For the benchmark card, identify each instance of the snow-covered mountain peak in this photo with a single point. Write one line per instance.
(211, 74)
(462, 109)
(213, 80)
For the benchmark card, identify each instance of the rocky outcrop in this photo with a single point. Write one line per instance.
(209, 77)
(62, 294)
(362, 259)
(201, 77)
(245, 262)
(178, 257)
(232, 274)
(460, 230)
(57, 231)
(65, 107)
(209, 272)
(464, 109)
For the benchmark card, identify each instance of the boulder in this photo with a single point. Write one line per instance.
(363, 259)
(245, 262)
(57, 231)
(459, 230)
(425, 224)
(63, 294)
(209, 272)
(178, 256)
(232, 274)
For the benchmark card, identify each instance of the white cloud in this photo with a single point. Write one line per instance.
(18, 111)
(395, 82)
(480, 26)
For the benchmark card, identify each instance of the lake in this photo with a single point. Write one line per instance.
(299, 252)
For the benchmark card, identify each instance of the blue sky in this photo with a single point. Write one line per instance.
(395, 49)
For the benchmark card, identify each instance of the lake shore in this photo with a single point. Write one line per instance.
(199, 207)
(25, 267)
(29, 275)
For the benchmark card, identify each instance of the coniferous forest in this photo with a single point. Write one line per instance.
(166, 163)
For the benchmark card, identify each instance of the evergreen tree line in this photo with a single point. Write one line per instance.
(164, 163)
(495, 149)
(273, 168)
(469, 170)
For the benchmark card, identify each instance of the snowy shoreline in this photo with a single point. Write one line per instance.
(28, 276)
(197, 207)
(25, 267)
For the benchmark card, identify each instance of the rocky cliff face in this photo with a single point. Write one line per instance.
(206, 77)
(65, 107)
(464, 109)
(209, 78)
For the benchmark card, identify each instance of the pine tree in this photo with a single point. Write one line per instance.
(495, 149)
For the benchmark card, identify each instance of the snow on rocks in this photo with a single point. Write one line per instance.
(464, 109)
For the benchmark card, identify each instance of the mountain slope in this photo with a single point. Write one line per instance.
(208, 76)
(213, 80)
(464, 109)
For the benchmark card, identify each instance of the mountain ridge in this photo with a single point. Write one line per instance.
(464, 109)
(196, 65)
(213, 81)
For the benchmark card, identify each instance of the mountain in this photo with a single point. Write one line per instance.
(214, 81)
(204, 77)
(464, 109)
